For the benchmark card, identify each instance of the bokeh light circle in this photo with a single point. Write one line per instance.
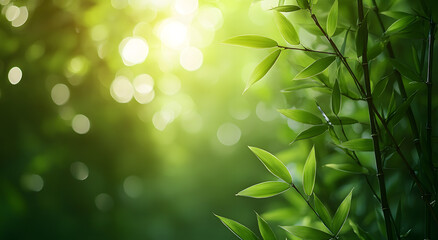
(191, 58)
(15, 75)
(121, 89)
(133, 50)
(60, 94)
(80, 124)
(228, 134)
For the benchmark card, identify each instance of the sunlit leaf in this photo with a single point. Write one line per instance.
(265, 229)
(286, 28)
(348, 168)
(263, 68)
(315, 68)
(332, 19)
(309, 173)
(286, 8)
(311, 132)
(342, 120)
(342, 214)
(322, 211)
(361, 144)
(238, 229)
(360, 233)
(273, 164)
(301, 84)
(395, 14)
(264, 190)
(307, 233)
(336, 98)
(253, 41)
(303, 4)
(301, 116)
(400, 24)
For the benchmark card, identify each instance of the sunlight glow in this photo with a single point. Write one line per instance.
(186, 7)
(133, 186)
(144, 88)
(79, 171)
(121, 89)
(133, 50)
(15, 75)
(169, 84)
(80, 124)
(60, 94)
(104, 202)
(32, 182)
(228, 134)
(21, 18)
(173, 33)
(210, 18)
(191, 58)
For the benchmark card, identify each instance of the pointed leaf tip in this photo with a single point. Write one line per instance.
(273, 164)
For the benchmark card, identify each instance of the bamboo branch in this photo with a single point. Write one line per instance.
(306, 50)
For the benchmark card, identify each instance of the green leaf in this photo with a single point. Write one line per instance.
(264, 190)
(309, 173)
(322, 211)
(286, 28)
(304, 4)
(375, 50)
(348, 168)
(315, 68)
(238, 229)
(265, 229)
(341, 214)
(344, 120)
(336, 98)
(380, 87)
(286, 8)
(332, 19)
(307, 233)
(405, 70)
(400, 24)
(399, 112)
(301, 84)
(253, 41)
(310, 132)
(416, 60)
(301, 116)
(273, 164)
(395, 14)
(361, 35)
(360, 233)
(398, 215)
(361, 144)
(263, 68)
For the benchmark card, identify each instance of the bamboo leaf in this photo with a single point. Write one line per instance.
(332, 19)
(253, 41)
(342, 120)
(395, 14)
(405, 70)
(264, 190)
(265, 229)
(301, 84)
(348, 168)
(336, 98)
(238, 229)
(400, 24)
(341, 214)
(399, 112)
(310, 132)
(301, 116)
(315, 68)
(361, 35)
(304, 4)
(360, 233)
(273, 164)
(263, 68)
(361, 144)
(286, 29)
(322, 211)
(286, 8)
(307, 233)
(309, 173)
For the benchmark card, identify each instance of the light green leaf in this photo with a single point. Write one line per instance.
(322, 211)
(273, 164)
(348, 168)
(360, 233)
(301, 84)
(400, 24)
(395, 14)
(301, 116)
(309, 173)
(336, 98)
(238, 229)
(311, 132)
(304, 4)
(253, 41)
(361, 144)
(263, 68)
(342, 214)
(286, 28)
(332, 19)
(307, 233)
(344, 120)
(315, 68)
(264, 190)
(265, 229)
(286, 8)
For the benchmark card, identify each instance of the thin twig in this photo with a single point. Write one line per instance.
(306, 50)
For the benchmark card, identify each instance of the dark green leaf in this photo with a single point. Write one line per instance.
(344, 120)
(336, 98)
(405, 70)
(315, 68)
(286, 8)
(375, 50)
(238, 229)
(341, 214)
(380, 87)
(264, 190)
(263, 68)
(286, 28)
(348, 167)
(301, 84)
(254, 41)
(395, 14)
(322, 211)
(399, 112)
(332, 19)
(400, 24)
(307, 233)
(361, 144)
(301, 116)
(310, 132)
(416, 60)
(265, 229)
(360, 233)
(304, 4)
(309, 173)
(273, 164)
(398, 215)
(361, 35)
